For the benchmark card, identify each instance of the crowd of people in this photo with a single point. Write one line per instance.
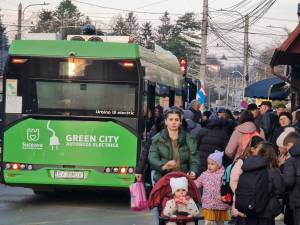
(260, 147)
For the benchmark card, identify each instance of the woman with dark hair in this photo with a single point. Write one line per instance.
(173, 149)
(242, 133)
(250, 162)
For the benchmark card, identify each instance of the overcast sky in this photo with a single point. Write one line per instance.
(282, 14)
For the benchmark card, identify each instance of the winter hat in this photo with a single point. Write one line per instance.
(188, 114)
(283, 135)
(217, 156)
(178, 183)
(207, 114)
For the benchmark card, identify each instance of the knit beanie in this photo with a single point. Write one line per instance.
(217, 156)
(178, 183)
(282, 136)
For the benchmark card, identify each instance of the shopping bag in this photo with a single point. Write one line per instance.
(138, 200)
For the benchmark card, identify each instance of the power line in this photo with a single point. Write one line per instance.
(151, 4)
(125, 10)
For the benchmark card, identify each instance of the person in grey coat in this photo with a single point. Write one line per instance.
(192, 127)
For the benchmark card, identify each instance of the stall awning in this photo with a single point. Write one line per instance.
(272, 88)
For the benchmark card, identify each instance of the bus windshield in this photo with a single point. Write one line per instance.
(79, 87)
(86, 98)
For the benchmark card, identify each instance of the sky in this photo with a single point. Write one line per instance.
(282, 14)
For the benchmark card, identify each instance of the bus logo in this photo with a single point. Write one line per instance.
(33, 134)
(54, 141)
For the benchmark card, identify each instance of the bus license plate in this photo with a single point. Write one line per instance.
(59, 174)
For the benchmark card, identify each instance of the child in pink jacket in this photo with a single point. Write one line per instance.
(214, 210)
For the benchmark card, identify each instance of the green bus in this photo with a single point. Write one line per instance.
(73, 111)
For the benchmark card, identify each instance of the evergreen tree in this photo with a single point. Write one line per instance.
(46, 22)
(66, 18)
(67, 12)
(119, 27)
(132, 26)
(146, 34)
(69, 17)
(164, 31)
(185, 40)
(3, 37)
(126, 27)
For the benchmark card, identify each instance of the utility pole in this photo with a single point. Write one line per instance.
(2, 53)
(227, 91)
(246, 51)
(19, 21)
(203, 42)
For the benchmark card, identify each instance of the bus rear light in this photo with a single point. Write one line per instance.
(18, 61)
(127, 64)
(7, 166)
(115, 169)
(123, 170)
(15, 166)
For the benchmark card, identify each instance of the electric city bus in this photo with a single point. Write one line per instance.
(73, 111)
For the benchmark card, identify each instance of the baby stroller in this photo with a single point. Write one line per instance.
(162, 192)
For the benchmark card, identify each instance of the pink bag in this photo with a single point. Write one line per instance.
(138, 200)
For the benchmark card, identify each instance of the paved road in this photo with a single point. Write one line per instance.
(19, 206)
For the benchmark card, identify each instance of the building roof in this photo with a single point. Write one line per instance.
(289, 51)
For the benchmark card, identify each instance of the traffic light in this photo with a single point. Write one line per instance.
(183, 66)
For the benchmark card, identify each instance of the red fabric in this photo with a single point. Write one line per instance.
(162, 192)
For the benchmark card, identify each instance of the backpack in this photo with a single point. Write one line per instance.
(252, 192)
(245, 141)
(226, 192)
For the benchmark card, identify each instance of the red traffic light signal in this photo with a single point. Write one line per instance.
(183, 66)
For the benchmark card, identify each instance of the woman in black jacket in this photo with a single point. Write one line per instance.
(266, 151)
(212, 137)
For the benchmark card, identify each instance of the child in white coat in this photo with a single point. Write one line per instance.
(181, 201)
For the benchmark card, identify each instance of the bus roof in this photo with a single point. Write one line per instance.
(63, 48)
(161, 66)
